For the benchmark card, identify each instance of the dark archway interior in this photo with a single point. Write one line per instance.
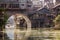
(22, 24)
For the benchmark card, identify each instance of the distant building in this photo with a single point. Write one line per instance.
(42, 3)
(41, 18)
(23, 4)
(17, 4)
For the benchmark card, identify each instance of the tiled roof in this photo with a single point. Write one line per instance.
(44, 11)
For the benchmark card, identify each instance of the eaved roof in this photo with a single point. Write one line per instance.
(44, 10)
(39, 8)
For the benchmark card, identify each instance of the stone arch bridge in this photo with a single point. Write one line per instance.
(16, 18)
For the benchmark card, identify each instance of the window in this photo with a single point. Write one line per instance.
(2, 5)
(17, 0)
(29, 5)
(14, 6)
(22, 4)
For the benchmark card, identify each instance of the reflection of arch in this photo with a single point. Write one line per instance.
(13, 25)
(26, 19)
(28, 23)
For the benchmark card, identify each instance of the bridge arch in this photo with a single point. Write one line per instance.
(28, 22)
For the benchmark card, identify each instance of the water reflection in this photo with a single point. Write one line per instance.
(43, 34)
(9, 27)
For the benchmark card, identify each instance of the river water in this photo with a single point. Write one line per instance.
(42, 34)
(36, 34)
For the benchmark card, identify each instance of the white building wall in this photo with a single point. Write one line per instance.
(49, 3)
(23, 4)
(38, 3)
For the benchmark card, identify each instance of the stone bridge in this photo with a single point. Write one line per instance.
(14, 19)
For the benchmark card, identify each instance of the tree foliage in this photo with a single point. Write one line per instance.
(3, 19)
(57, 21)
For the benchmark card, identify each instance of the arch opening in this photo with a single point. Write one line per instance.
(13, 24)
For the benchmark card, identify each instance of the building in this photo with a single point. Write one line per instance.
(37, 17)
(50, 3)
(25, 4)
(16, 4)
(41, 18)
(38, 3)
(42, 3)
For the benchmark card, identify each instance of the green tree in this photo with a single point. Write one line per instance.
(57, 21)
(3, 19)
